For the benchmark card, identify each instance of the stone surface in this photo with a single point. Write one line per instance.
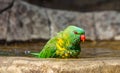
(3, 25)
(24, 21)
(117, 37)
(5, 4)
(61, 19)
(107, 24)
(83, 65)
(27, 22)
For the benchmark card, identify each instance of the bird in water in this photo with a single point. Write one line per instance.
(66, 44)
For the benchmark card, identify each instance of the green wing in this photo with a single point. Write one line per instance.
(48, 50)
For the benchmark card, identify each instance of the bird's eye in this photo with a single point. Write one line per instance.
(75, 32)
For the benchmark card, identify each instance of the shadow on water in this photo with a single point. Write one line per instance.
(89, 48)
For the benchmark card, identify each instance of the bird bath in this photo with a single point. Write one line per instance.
(102, 56)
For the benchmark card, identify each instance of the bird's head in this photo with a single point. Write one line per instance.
(76, 33)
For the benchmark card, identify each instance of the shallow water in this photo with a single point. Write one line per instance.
(89, 48)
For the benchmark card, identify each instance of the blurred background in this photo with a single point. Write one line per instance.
(26, 25)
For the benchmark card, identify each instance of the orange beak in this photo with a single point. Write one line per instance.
(82, 38)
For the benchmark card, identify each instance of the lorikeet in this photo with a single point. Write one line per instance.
(66, 44)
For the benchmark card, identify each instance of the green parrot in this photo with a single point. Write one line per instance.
(66, 44)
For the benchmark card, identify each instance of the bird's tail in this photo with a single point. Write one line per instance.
(35, 54)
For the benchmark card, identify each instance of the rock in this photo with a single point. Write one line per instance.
(117, 37)
(5, 4)
(83, 65)
(107, 24)
(23, 21)
(3, 25)
(61, 19)
(27, 22)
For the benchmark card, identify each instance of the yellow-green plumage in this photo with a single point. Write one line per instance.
(66, 44)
